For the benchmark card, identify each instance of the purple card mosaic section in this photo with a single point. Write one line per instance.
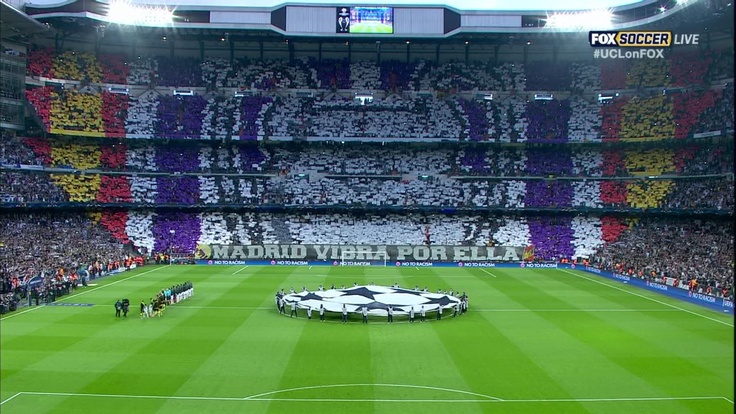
(177, 159)
(542, 162)
(177, 190)
(548, 121)
(250, 108)
(477, 121)
(334, 74)
(542, 193)
(176, 231)
(475, 158)
(552, 237)
(251, 157)
(180, 117)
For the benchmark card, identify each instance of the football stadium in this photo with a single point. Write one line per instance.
(407, 207)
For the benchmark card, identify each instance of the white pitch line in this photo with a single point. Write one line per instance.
(424, 387)
(373, 400)
(82, 293)
(484, 270)
(13, 315)
(245, 267)
(110, 284)
(623, 399)
(10, 398)
(648, 298)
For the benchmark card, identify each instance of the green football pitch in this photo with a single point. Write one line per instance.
(533, 341)
(371, 27)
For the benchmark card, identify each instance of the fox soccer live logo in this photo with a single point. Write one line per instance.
(636, 44)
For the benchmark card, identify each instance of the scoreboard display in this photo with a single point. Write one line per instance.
(365, 20)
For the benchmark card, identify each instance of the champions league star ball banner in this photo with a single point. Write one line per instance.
(333, 252)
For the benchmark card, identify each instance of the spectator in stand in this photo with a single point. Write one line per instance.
(683, 250)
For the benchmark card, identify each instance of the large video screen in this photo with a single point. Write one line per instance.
(365, 20)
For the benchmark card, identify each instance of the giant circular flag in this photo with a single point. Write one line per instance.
(376, 298)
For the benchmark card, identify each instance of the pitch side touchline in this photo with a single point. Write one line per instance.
(648, 298)
(86, 291)
(344, 400)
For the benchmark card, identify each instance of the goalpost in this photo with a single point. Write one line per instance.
(378, 258)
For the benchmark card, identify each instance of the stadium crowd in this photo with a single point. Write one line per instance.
(366, 174)
(73, 250)
(421, 101)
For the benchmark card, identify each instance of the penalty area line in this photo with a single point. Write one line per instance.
(244, 267)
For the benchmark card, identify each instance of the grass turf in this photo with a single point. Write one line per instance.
(534, 341)
(371, 28)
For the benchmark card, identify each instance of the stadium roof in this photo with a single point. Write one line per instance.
(486, 5)
(16, 24)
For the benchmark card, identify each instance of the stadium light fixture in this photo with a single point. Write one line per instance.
(125, 12)
(593, 19)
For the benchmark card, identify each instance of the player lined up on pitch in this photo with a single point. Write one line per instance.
(166, 297)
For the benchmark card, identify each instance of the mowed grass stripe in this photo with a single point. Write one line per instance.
(57, 338)
(617, 293)
(560, 343)
(408, 356)
(254, 347)
(149, 352)
(63, 343)
(714, 342)
(246, 342)
(324, 354)
(493, 362)
(153, 346)
(645, 361)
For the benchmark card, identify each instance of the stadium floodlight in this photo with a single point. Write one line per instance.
(125, 12)
(592, 19)
(121, 90)
(605, 97)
